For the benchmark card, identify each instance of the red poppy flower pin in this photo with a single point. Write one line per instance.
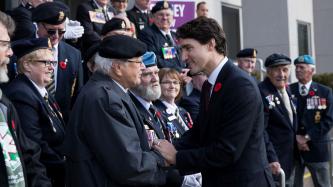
(217, 87)
(158, 114)
(311, 93)
(63, 64)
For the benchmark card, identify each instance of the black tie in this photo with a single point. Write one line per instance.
(206, 93)
(169, 40)
(105, 15)
(164, 129)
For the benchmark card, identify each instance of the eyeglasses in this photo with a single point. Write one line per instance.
(170, 82)
(52, 32)
(5, 44)
(47, 63)
(135, 61)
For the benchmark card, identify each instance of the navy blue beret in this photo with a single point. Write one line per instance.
(304, 59)
(277, 59)
(121, 47)
(149, 59)
(113, 24)
(26, 46)
(247, 53)
(53, 13)
(161, 5)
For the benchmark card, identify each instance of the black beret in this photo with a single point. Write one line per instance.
(53, 13)
(113, 24)
(91, 51)
(26, 46)
(121, 47)
(161, 5)
(277, 59)
(247, 53)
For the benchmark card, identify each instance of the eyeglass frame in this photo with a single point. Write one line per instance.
(7, 44)
(54, 31)
(171, 82)
(47, 63)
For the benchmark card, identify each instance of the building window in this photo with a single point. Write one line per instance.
(304, 38)
(231, 27)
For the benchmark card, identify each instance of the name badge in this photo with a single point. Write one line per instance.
(97, 17)
(169, 52)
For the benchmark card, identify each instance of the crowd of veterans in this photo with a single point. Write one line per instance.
(116, 98)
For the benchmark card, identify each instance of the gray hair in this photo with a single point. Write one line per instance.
(7, 22)
(102, 65)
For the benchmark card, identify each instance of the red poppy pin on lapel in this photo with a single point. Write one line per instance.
(217, 87)
(311, 93)
(63, 64)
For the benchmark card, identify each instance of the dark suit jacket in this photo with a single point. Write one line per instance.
(106, 142)
(69, 79)
(92, 30)
(148, 118)
(281, 140)
(317, 130)
(170, 118)
(139, 19)
(24, 26)
(155, 40)
(227, 144)
(39, 123)
(29, 152)
(191, 103)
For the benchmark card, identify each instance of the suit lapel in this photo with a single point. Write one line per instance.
(60, 73)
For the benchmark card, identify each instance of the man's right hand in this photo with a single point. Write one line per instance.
(275, 167)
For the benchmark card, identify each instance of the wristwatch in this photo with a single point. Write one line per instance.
(307, 137)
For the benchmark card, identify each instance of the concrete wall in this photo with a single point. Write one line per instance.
(323, 29)
(265, 27)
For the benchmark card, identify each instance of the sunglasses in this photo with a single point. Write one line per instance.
(52, 32)
(47, 63)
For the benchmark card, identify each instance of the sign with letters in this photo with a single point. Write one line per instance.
(183, 11)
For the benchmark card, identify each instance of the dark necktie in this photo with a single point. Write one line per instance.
(206, 93)
(303, 90)
(169, 40)
(180, 120)
(51, 86)
(164, 129)
(106, 16)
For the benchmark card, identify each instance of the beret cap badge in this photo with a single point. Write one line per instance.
(254, 53)
(165, 5)
(49, 43)
(61, 16)
(123, 26)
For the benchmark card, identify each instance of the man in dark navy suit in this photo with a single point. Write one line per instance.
(93, 15)
(315, 119)
(227, 144)
(68, 74)
(280, 117)
(140, 15)
(160, 39)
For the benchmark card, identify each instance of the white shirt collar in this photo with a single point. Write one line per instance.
(120, 86)
(42, 91)
(142, 11)
(144, 103)
(213, 76)
(170, 107)
(307, 85)
(165, 33)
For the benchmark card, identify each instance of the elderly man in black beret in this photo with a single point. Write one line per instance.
(160, 39)
(106, 140)
(280, 117)
(246, 59)
(68, 73)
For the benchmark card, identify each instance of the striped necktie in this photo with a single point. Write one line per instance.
(180, 120)
(287, 104)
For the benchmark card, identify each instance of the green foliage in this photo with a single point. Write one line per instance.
(324, 78)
